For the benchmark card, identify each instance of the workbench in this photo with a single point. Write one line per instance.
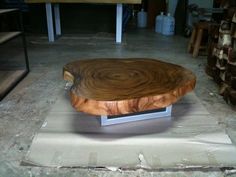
(55, 19)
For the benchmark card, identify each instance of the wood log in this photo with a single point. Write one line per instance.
(122, 86)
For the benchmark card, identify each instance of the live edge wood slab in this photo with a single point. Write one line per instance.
(122, 86)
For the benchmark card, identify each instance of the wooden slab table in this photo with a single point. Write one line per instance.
(55, 5)
(120, 87)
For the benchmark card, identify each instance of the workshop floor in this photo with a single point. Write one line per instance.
(23, 111)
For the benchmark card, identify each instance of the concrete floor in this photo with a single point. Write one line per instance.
(23, 111)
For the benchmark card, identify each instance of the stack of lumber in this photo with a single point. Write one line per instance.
(221, 65)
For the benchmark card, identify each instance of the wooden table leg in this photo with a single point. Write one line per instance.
(119, 14)
(198, 42)
(51, 37)
(192, 39)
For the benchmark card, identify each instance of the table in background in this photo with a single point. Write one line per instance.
(55, 5)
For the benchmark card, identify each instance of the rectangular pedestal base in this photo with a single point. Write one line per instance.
(159, 113)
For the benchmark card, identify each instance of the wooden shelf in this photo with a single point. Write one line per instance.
(3, 11)
(6, 36)
(8, 78)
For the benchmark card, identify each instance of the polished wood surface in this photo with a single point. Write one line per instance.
(87, 1)
(121, 86)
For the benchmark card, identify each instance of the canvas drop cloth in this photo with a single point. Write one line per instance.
(190, 138)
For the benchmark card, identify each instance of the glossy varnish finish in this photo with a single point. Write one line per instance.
(121, 86)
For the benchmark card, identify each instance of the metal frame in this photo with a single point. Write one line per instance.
(25, 54)
(56, 8)
(24, 42)
(112, 120)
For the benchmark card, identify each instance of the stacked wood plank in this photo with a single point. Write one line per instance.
(222, 59)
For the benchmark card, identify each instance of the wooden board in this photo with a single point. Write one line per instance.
(87, 1)
(8, 79)
(122, 86)
(3, 11)
(5, 36)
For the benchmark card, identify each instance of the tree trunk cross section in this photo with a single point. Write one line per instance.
(123, 86)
